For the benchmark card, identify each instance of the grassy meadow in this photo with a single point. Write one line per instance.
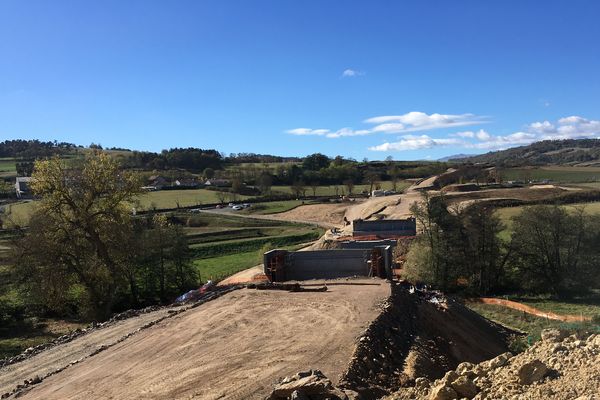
(558, 174)
(533, 325)
(507, 213)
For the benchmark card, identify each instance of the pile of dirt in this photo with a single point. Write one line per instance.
(557, 367)
(419, 334)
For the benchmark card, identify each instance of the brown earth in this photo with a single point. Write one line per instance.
(62, 355)
(331, 214)
(557, 367)
(234, 347)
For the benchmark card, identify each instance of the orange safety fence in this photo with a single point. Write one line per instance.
(531, 310)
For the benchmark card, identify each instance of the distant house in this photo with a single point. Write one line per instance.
(22, 187)
(187, 183)
(158, 182)
(217, 183)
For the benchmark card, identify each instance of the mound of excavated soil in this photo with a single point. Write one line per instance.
(557, 367)
(420, 334)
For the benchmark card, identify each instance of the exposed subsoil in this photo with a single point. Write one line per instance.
(234, 347)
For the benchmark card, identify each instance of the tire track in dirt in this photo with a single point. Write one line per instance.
(236, 346)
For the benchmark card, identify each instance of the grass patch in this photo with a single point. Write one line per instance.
(218, 268)
(274, 207)
(530, 324)
(164, 199)
(19, 213)
(563, 174)
(507, 213)
(330, 190)
(210, 250)
(16, 337)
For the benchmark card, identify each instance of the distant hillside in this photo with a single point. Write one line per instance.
(455, 157)
(571, 152)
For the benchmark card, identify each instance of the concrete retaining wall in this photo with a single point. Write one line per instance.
(385, 227)
(367, 244)
(282, 265)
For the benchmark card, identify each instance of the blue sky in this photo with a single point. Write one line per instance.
(413, 80)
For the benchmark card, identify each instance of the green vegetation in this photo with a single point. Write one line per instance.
(216, 268)
(530, 324)
(506, 214)
(19, 213)
(220, 267)
(8, 167)
(171, 199)
(274, 207)
(337, 190)
(560, 174)
(546, 249)
(547, 152)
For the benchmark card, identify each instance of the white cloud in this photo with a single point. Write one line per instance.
(420, 121)
(565, 128)
(571, 127)
(410, 122)
(410, 142)
(349, 73)
(308, 132)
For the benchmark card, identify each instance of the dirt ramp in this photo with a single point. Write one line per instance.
(235, 347)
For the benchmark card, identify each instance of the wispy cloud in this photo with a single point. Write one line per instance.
(410, 122)
(573, 127)
(410, 142)
(349, 73)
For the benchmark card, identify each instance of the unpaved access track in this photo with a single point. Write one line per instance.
(62, 355)
(234, 347)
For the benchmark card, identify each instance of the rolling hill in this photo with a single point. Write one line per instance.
(580, 152)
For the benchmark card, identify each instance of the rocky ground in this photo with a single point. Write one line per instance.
(557, 367)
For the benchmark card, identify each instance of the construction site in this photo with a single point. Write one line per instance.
(335, 308)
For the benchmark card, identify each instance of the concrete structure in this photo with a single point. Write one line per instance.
(22, 187)
(283, 265)
(367, 244)
(385, 227)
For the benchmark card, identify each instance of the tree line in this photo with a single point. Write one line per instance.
(550, 249)
(85, 253)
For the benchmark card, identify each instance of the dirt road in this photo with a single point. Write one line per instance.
(234, 347)
(62, 355)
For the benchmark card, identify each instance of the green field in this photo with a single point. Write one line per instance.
(507, 213)
(18, 213)
(274, 207)
(533, 325)
(330, 190)
(218, 268)
(164, 199)
(8, 167)
(560, 174)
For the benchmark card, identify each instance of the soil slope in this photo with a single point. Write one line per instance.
(234, 347)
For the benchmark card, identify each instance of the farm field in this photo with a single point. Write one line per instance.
(7, 167)
(507, 213)
(330, 190)
(560, 174)
(217, 268)
(223, 244)
(164, 199)
(274, 207)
